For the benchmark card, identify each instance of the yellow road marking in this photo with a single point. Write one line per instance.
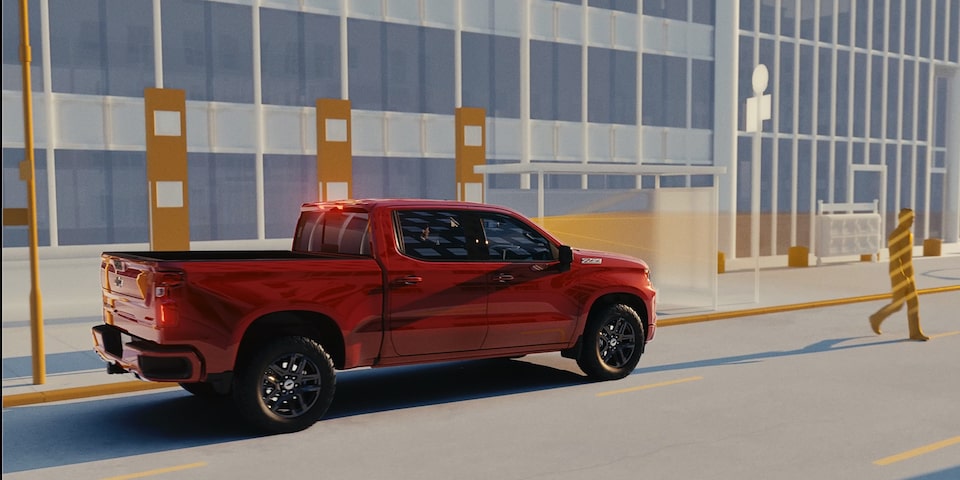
(947, 334)
(158, 471)
(651, 385)
(918, 451)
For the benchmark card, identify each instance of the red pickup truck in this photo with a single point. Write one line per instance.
(368, 283)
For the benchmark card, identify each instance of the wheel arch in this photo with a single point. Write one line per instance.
(296, 323)
(631, 300)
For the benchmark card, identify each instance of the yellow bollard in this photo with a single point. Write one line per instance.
(798, 257)
(931, 247)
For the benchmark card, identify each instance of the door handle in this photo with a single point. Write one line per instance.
(410, 280)
(504, 278)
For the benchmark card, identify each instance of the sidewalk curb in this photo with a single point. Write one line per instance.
(31, 398)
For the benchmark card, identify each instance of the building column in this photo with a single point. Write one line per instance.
(166, 139)
(471, 138)
(334, 149)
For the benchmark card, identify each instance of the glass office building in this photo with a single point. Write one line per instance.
(866, 104)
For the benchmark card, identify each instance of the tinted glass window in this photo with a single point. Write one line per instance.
(442, 235)
(333, 231)
(509, 239)
(300, 55)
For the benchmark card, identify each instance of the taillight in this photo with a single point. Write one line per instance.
(164, 282)
(168, 315)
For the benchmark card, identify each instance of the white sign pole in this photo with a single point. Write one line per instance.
(761, 112)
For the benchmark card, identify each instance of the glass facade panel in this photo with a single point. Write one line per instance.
(101, 47)
(15, 196)
(658, 8)
(925, 26)
(893, 38)
(879, 17)
(785, 188)
(207, 50)
(825, 93)
(768, 16)
(12, 72)
(744, 90)
(746, 14)
(893, 91)
(102, 197)
(804, 174)
(877, 96)
(806, 92)
(923, 99)
(223, 196)
(788, 18)
(826, 21)
(704, 11)
(701, 94)
(860, 95)
(785, 83)
(863, 24)
(300, 57)
(910, 28)
(381, 177)
(664, 98)
(842, 120)
(824, 149)
(491, 74)
(955, 31)
(940, 29)
(289, 181)
(808, 19)
(555, 86)
(844, 21)
(909, 86)
(612, 86)
(400, 68)
(840, 172)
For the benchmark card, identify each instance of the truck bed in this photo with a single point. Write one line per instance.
(149, 256)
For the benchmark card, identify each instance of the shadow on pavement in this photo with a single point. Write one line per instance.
(69, 433)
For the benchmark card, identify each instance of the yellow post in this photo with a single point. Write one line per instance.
(334, 149)
(471, 138)
(36, 303)
(165, 120)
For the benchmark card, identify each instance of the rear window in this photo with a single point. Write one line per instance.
(333, 231)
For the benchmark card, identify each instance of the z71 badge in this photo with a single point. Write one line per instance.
(591, 261)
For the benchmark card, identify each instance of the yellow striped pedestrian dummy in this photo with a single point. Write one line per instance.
(904, 287)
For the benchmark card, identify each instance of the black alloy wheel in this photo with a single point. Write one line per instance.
(286, 386)
(612, 343)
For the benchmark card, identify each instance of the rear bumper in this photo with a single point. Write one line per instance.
(145, 359)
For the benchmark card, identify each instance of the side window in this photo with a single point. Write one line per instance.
(509, 239)
(333, 232)
(441, 235)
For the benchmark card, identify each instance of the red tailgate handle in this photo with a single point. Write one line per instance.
(411, 280)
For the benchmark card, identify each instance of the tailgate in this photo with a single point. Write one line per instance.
(129, 292)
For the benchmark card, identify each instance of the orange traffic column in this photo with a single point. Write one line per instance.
(334, 149)
(471, 137)
(166, 141)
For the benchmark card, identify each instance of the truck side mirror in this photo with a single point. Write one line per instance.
(566, 257)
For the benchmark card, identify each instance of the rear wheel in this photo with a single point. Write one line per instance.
(286, 386)
(612, 343)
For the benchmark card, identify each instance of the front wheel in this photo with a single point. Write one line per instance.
(286, 386)
(612, 343)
